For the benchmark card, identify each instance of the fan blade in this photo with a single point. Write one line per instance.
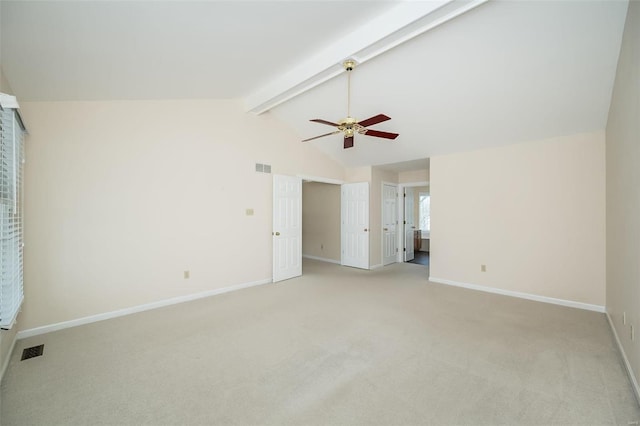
(348, 142)
(379, 134)
(374, 120)
(318, 120)
(321, 136)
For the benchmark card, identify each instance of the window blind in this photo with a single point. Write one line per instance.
(11, 237)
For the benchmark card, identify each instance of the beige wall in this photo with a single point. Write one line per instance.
(358, 174)
(5, 87)
(122, 197)
(413, 176)
(623, 192)
(532, 212)
(321, 220)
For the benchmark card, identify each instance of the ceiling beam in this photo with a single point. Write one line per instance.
(405, 21)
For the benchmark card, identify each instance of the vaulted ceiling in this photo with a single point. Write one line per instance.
(502, 72)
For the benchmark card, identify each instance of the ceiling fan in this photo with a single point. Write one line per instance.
(350, 126)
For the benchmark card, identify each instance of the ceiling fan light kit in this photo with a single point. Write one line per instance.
(349, 126)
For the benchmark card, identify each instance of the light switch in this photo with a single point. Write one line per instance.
(249, 212)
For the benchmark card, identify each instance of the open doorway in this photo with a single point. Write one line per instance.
(321, 221)
(335, 223)
(421, 204)
(413, 233)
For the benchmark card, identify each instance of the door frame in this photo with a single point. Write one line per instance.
(396, 186)
(303, 178)
(320, 179)
(333, 181)
(367, 230)
(401, 237)
(405, 223)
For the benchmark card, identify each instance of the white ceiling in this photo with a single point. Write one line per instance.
(108, 50)
(504, 72)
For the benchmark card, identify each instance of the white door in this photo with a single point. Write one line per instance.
(355, 225)
(287, 227)
(389, 223)
(409, 224)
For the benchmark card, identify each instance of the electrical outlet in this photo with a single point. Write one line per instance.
(249, 212)
(624, 318)
(483, 268)
(186, 275)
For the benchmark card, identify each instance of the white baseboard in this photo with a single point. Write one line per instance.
(135, 309)
(321, 259)
(632, 377)
(5, 364)
(378, 266)
(535, 297)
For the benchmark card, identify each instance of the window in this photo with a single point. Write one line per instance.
(424, 210)
(11, 165)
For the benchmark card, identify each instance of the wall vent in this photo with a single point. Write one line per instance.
(32, 352)
(263, 168)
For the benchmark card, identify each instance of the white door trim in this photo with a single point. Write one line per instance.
(321, 179)
(395, 185)
(408, 248)
(401, 187)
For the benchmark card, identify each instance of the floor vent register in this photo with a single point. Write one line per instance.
(32, 352)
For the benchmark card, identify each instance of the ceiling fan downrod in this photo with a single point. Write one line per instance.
(349, 65)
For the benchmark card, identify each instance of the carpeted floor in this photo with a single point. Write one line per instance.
(338, 346)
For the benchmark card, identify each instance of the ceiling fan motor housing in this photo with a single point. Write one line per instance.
(349, 126)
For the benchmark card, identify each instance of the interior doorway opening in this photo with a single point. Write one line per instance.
(321, 221)
(421, 235)
(335, 222)
(415, 217)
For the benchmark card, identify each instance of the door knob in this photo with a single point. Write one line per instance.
(365, 229)
(277, 234)
(386, 229)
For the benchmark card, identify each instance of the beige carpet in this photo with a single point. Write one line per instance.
(337, 346)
